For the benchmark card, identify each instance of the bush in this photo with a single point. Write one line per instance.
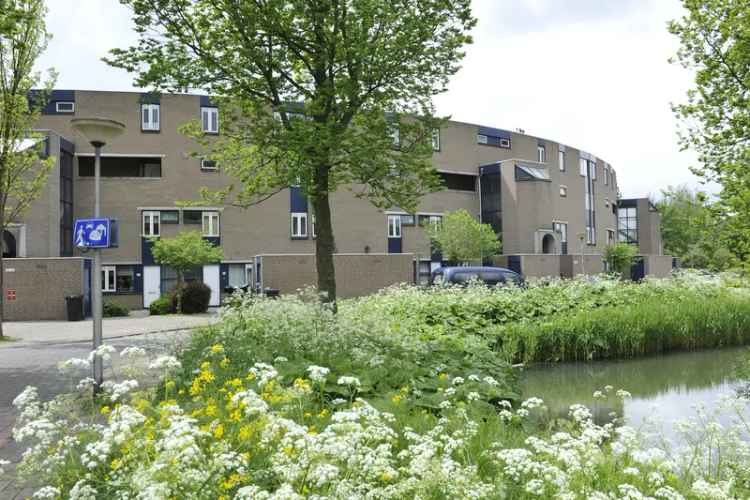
(113, 309)
(195, 298)
(162, 305)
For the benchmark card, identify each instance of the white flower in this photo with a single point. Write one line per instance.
(73, 364)
(82, 491)
(118, 390)
(474, 378)
(167, 363)
(631, 471)
(264, 373)
(532, 403)
(450, 391)
(623, 394)
(458, 381)
(85, 384)
(105, 351)
(704, 489)
(349, 381)
(3, 463)
(490, 381)
(132, 352)
(318, 373)
(535, 487)
(251, 403)
(599, 395)
(280, 359)
(47, 493)
(445, 405)
(473, 396)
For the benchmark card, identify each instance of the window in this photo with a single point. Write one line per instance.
(394, 226)
(150, 117)
(108, 279)
(436, 139)
(606, 175)
(505, 143)
(459, 182)
(170, 216)
(210, 119)
(531, 173)
(395, 134)
(562, 229)
(125, 279)
(238, 277)
(192, 217)
(313, 229)
(169, 277)
(65, 107)
(299, 225)
(210, 224)
(121, 166)
(208, 165)
(589, 169)
(627, 224)
(563, 191)
(151, 223)
(481, 139)
(561, 160)
(408, 220)
(541, 154)
(493, 137)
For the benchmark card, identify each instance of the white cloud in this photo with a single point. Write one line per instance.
(589, 73)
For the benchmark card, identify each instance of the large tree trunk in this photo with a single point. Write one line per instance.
(325, 245)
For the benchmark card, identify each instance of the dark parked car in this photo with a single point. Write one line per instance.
(490, 276)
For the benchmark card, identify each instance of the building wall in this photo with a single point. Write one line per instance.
(649, 228)
(575, 264)
(43, 235)
(40, 286)
(356, 274)
(658, 266)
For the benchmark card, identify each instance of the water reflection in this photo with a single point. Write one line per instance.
(666, 387)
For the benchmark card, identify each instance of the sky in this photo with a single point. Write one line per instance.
(592, 74)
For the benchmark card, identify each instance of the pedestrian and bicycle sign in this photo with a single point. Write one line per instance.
(93, 233)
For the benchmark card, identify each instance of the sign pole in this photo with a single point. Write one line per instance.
(97, 278)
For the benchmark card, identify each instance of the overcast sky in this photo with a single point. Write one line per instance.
(592, 74)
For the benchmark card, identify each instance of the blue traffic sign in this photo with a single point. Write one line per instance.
(92, 233)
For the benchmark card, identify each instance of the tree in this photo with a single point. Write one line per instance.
(695, 230)
(619, 258)
(185, 251)
(715, 43)
(322, 94)
(462, 238)
(23, 173)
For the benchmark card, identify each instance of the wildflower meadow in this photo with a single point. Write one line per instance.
(409, 393)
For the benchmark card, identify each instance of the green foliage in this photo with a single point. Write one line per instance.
(312, 93)
(112, 309)
(162, 305)
(619, 258)
(694, 230)
(195, 297)
(185, 251)
(462, 238)
(716, 115)
(23, 172)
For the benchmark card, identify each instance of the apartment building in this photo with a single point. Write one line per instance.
(543, 198)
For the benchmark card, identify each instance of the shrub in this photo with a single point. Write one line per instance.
(195, 298)
(113, 309)
(619, 258)
(162, 305)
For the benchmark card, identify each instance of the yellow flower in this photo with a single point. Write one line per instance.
(250, 376)
(236, 382)
(224, 362)
(245, 432)
(236, 415)
(386, 476)
(169, 385)
(219, 431)
(216, 348)
(104, 410)
(443, 376)
(397, 398)
(210, 410)
(323, 413)
(289, 451)
(115, 463)
(246, 456)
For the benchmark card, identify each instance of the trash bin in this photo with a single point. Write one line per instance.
(75, 307)
(271, 293)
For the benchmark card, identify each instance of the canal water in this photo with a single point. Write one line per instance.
(665, 388)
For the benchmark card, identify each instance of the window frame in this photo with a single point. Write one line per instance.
(213, 220)
(541, 154)
(301, 218)
(394, 226)
(109, 286)
(436, 139)
(561, 160)
(151, 215)
(153, 126)
(205, 161)
(563, 191)
(207, 124)
(131, 269)
(66, 111)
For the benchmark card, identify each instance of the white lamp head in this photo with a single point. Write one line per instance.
(98, 131)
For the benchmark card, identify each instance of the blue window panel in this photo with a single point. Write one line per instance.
(394, 245)
(494, 132)
(55, 96)
(489, 169)
(138, 278)
(150, 98)
(206, 102)
(146, 256)
(214, 240)
(67, 146)
(514, 264)
(223, 276)
(297, 200)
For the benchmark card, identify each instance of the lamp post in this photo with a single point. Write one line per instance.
(97, 131)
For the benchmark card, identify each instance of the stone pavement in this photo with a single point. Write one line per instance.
(81, 331)
(33, 359)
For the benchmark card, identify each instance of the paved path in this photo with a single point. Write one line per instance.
(33, 359)
(81, 331)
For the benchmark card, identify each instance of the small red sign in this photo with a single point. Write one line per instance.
(11, 294)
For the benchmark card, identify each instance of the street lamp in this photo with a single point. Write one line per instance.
(97, 131)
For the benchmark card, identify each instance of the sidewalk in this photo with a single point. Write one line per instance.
(45, 332)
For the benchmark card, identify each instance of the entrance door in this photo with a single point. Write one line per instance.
(211, 279)
(151, 284)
